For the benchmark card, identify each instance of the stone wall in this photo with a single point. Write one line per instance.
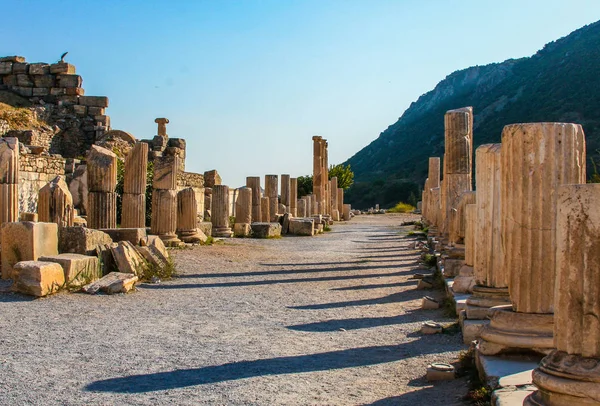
(58, 99)
(35, 171)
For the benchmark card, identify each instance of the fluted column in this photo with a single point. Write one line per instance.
(253, 182)
(340, 199)
(265, 210)
(470, 239)
(433, 181)
(134, 187)
(318, 174)
(102, 181)
(286, 194)
(536, 159)
(271, 192)
(571, 373)
(243, 206)
(458, 223)
(9, 180)
(220, 211)
(187, 216)
(301, 208)
(164, 198)
(294, 196)
(55, 203)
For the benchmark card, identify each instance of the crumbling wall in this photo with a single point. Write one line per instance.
(34, 172)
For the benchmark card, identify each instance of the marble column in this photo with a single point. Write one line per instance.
(164, 199)
(9, 180)
(335, 211)
(294, 196)
(458, 222)
(308, 205)
(314, 205)
(536, 159)
(265, 209)
(134, 187)
(301, 208)
(102, 181)
(220, 211)
(570, 374)
(271, 186)
(243, 206)
(286, 194)
(435, 208)
(318, 174)
(470, 239)
(187, 216)
(433, 181)
(340, 199)
(253, 182)
(55, 203)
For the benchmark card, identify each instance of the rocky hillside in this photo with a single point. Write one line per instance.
(561, 82)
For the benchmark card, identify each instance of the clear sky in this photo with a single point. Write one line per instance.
(248, 83)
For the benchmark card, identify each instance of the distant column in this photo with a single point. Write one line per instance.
(164, 198)
(253, 182)
(187, 216)
(9, 180)
(243, 206)
(336, 213)
(102, 181)
(340, 199)
(265, 209)
(220, 211)
(301, 208)
(134, 187)
(293, 196)
(271, 185)
(286, 194)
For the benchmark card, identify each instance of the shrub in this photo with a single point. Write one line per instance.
(402, 207)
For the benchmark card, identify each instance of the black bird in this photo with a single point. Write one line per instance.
(62, 57)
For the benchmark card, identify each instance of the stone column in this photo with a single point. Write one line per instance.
(294, 196)
(220, 211)
(253, 182)
(187, 216)
(286, 194)
(536, 159)
(318, 167)
(9, 180)
(55, 203)
(164, 199)
(314, 204)
(335, 211)
(433, 181)
(301, 208)
(458, 223)
(470, 239)
(340, 199)
(134, 187)
(347, 209)
(102, 181)
(308, 205)
(326, 204)
(265, 209)
(570, 374)
(435, 208)
(457, 160)
(162, 126)
(271, 192)
(243, 206)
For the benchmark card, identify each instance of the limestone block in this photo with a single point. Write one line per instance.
(205, 227)
(39, 68)
(55, 203)
(62, 67)
(133, 235)
(133, 210)
(242, 230)
(68, 80)
(80, 240)
(6, 68)
(429, 303)
(26, 241)
(165, 172)
(101, 170)
(266, 230)
(9, 160)
(107, 261)
(94, 101)
(212, 178)
(285, 225)
(152, 256)
(157, 244)
(471, 330)
(20, 68)
(458, 220)
(24, 80)
(78, 269)
(37, 278)
(271, 193)
(452, 266)
(136, 169)
(114, 282)
(44, 81)
(253, 182)
(335, 215)
(430, 327)
(128, 259)
(9, 203)
(28, 217)
(243, 206)
(102, 210)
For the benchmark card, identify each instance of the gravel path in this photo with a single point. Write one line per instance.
(329, 320)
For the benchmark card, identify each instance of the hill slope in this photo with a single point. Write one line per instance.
(561, 82)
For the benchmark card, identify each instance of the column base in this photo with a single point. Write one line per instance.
(484, 298)
(513, 332)
(566, 380)
(189, 236)
(170, 240)
(222, 232)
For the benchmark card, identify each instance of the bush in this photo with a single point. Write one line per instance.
(402, 208)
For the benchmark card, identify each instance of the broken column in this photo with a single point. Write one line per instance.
(9, 180)
(335, 208)
(293, 196)
(243, 212)
(433, 181)
(570, 374)
(319, 175)
(271, 192)
(55, 203)
(164, 198)
(458, 224)
(187, 216)
(102, 181)
(347, 210)
(265, 212)
(286, 194)
(134, 187)
(301, 208)
(220, 211)
(253, 182)
(340, 199)
(536, 159)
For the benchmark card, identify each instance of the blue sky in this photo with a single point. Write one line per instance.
(248, 83)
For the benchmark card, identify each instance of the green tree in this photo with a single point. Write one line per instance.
(305, 185)
(345, 176)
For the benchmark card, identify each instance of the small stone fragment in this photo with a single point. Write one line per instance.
(440, 371)
(114, 282)
(429, 303)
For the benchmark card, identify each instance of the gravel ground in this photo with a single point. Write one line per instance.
(328, 320)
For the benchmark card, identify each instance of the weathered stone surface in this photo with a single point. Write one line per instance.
(243, 206)
(26, 241)
(93, 101)
(127, 258)
(253, 182)
(212, 178)
(80, 240)
(114, 282)
(457, 218)
(158, 245)
(347, 212)
(266, 230)
(133, 211)
(162, 126)
(301, 226)
(301, 208)
(429, 303)
(205, 227)
(187, 217)
(39, 68)
(265, 215)
(102, 210)
(470, 225)
(440, 372)
(271, 192)
(334, 199)
(220, 212)
(458, 154)
(133, 235)
(28, 216)
(101, 170)
(55, 203)
(9, 203)
(136, 164)
(293, 196)
(164, 215)
(37, 278)
(285, 190)
(79, 189)
(165, 172)
(9, 160)
(78, 269)
(340, 199)
(242, 230)
(62, 67)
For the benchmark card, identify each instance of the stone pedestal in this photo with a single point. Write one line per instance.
(55, 203)
(570, 375)
(286, 194)
(271, 193)
(134, 187)
(537, 158)
(102, 181)
(9, 179)
(243, 206)
(265, 210)
(253, 182)
(26, 241)
(220, 212)
(164, 216)
(294, 196)
(187, 216)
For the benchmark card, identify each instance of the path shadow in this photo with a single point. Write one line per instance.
(360, 323)
(13, 297)
(181, 378)
(379, 286)
(393, 298)
(422, 396)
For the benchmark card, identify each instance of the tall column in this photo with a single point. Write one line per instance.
(435, 206)
(340, 199)
(318, 172)
(294, 196)
(102, 181)
(308, 204)
(9, 180)
(335, 211)
(271, 192)
(458, 158)
(220, 211)
(55, 203)
(470, 239)
(570, 374)
(325, 206)
(243, 206)
(134, 187)
(536, 159)
(187, 216)
(164, 198)
(301, 208)
(458, 223)
(265, 210)
(433, 181)
(286, 194)
(253, 182)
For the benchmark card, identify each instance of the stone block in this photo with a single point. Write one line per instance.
(471, 329)
(26, 241)
(69, 80)
(127, 258)
(78, 269)
(114, 282)
(440, 372)
(44, 80)
(452, 267)
(74, 91)
(41, 91)
(80, 110)
(301, 226)
(24, 80)
(62, 67)
(152, 256)
(39, 69)
(94, 101)
(66, 100)
(205, 227)
(431, 327)
(512, 396)
(80, 240)
(429, 303)
(58, 91)
(6, 68)
(266, 230)
(96, 111)
(24, 91)
(37, 278)
(510, 370)
(133, 235)
(103, 119)
(9, 80)
(12, 58)
(242, 230)
(28, 217)
(20, 68)
(158, 244)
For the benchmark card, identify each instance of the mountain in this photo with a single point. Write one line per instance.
(561, 83)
